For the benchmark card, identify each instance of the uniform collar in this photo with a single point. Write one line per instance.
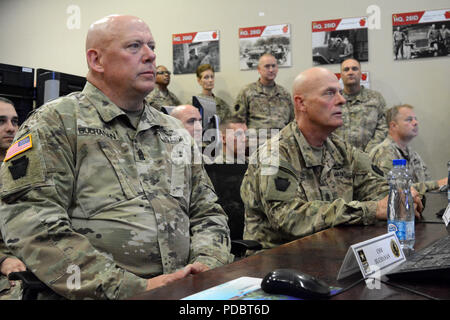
(331, 153)
(109, 111)
(357, 96)
(404, 153)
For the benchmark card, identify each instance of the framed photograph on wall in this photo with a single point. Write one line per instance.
(421, 34)
(255, 41)
(193, 49)
(336, 40)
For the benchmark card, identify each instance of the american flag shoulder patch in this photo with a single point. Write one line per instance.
(18, 147)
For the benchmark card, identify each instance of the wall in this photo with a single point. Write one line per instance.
(34, 34)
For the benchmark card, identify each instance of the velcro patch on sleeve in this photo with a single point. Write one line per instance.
(18, 147)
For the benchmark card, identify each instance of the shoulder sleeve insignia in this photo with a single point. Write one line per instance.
(19, 167)
(18, 147)
(282, 184)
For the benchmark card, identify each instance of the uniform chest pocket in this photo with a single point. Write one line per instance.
(341, 183)
(370, 118)
(259, 105)
(117, 163)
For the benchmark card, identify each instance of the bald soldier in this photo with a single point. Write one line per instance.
(320, 181)
(264, 104)
(102, 186)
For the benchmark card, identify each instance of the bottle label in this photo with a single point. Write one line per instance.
(403, 229)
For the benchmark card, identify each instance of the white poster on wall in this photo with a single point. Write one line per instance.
(193, 49)
(421, 34)
(255, 41)
(335, 40)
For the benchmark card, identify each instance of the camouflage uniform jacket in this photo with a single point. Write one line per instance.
(264, 107)
(158, 99)
(364, 119)
(383, 154)
(119, 203)
(305, 194)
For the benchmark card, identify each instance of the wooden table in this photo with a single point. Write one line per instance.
(321, 255)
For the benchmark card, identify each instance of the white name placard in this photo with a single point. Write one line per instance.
(446, 215)
(378, 255)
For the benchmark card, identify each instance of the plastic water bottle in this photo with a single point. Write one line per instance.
(400, 210)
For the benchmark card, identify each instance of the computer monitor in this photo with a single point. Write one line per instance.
(17, 85)
(207, 108)
(52, 84)
(210, 120)
(167, 109)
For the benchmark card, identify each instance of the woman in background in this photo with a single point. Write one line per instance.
(205, 78)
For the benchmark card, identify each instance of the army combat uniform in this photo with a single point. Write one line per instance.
(364, 119)
(93, 193)
(158, 99)
(383, 154)
(309, 190)
(262, 107)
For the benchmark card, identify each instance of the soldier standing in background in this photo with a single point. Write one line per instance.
(321, 181)
(264, 104)
(363, 113)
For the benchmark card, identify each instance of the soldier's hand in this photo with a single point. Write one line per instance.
(381, 213)
(11, 265)
(418, 205)
(165, 279)
(442, 182)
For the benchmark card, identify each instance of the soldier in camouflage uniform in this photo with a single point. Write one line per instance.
(205, 78)
(403, 128)
(110, 193)
(363, 113)
(316, 180)
(160, 95)
(8, 263)
(264, 104)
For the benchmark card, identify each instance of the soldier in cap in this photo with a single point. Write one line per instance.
(363, 113)
(100, 198)
(316, 181)
(264, 104)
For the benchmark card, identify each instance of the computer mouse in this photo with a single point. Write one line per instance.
(295, 283)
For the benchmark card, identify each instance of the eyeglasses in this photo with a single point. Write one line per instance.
(164, 72)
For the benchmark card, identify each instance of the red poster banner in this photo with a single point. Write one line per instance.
(183, 38)
(326, 25)
(251, 32)
(400, 19)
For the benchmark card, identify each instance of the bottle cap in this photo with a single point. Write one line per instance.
(399, 162)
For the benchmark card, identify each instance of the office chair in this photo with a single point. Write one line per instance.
(227, 179)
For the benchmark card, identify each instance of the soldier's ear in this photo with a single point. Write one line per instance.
(94, 60)
(299, 103)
